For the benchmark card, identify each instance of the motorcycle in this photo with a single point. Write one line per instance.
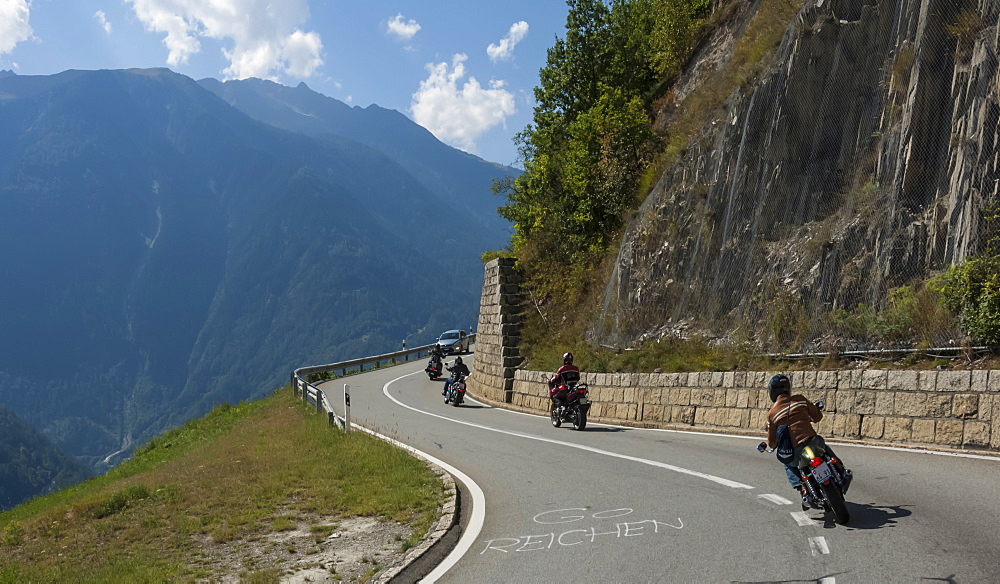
(826, 486)
(433, 368)
(456, 392)
(573, 408)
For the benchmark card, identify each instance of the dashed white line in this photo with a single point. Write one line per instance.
(818, 546)
(803, 519)
(776, 499)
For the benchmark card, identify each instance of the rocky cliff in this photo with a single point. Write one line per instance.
(862, 158)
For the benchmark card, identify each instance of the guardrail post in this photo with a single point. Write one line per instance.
(319, 401)
(347, 409)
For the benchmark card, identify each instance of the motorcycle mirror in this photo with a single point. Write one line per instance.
(762, 447)
(821, 404)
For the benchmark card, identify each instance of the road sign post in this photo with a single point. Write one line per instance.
(347, 409)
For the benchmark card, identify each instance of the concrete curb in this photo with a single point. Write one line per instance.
(447, 518)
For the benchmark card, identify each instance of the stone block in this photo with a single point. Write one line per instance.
(807, 380)
(993, 381)
(864, 402)
(903, 381)
(965, 405)
(845, 380)
(681, 396)
(986, 401)
(720, 398)
(845, 401)
(884, 400)
(740, 379)
(954, 381)
(682, 414)
(979, 378)
(875, 379)
(731, 396)
(949, 432)
(847, 425)
(897, 429)
(825, 426)
(742, 397)
(922, 431)
(826, 380)
(758, 420)
(872, 426)
(728, 379)
(928, 380)
(909, 403)
(995, 432)
(939, 405)
(976, 434)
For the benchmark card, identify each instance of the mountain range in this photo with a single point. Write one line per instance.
(167, 245)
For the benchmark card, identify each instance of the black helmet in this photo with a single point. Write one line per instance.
(568, 359)
(458, 360)
(779, 384)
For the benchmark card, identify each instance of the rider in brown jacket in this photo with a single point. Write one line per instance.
(798, 413)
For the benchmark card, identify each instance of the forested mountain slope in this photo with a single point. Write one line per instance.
(162, 252)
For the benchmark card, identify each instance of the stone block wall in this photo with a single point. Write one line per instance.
(498, 332)
(944, 409)
(954, 409)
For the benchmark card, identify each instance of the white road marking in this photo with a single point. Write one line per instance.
(776, 499)
(828, 580)
(718, 480)
(803, 519)
(818, 546)
(478, 517)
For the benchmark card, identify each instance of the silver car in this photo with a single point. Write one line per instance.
(453, 341)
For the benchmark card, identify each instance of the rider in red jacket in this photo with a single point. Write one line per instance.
(557, 379)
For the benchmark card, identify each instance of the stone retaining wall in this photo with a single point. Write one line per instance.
(950, 409)
(956, 409)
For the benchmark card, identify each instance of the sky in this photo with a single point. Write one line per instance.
(465, 70)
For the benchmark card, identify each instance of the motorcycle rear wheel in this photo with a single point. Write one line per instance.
(554, 416)
(837, 505)
(579, 418)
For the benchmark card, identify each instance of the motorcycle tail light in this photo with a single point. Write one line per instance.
(581, 391)
(816, 462)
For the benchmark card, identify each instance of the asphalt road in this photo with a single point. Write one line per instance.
(613, 504)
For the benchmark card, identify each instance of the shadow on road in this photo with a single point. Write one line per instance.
(874, 516)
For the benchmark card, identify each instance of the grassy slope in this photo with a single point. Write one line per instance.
(238, 473)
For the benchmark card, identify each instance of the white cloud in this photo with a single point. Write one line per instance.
(265, 35)
(402, 30)
(101, 18)
(456, 115)
(505, 49)
(14, 26)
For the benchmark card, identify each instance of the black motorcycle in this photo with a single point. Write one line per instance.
(826, 486)
(455, 393)
(434, 367)
(570, 405)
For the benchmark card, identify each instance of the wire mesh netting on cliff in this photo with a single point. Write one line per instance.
(810, 212)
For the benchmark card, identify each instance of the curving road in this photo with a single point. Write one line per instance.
(614, 504)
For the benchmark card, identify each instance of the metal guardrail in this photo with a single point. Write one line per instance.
(304, 387)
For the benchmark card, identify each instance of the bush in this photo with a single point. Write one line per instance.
(972, 290)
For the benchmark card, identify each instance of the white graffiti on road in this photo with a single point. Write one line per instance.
(592, 534)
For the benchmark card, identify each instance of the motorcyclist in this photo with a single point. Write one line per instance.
(798, 413)
(559, 379)
(458, 370)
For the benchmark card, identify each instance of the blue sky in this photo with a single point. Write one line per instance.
(465, 70)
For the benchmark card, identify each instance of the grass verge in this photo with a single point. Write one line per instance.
(233, 475)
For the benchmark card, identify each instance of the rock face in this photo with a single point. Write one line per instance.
(861, 160)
